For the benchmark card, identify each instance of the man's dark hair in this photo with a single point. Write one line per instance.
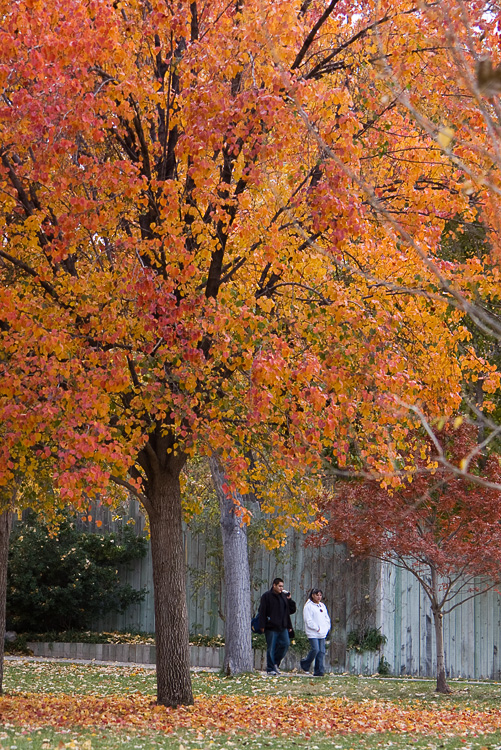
(278, 580)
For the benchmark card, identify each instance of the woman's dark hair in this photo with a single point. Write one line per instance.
(315, 591)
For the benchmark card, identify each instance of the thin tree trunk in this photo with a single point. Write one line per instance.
(5, 524)
(238, 655)
(438, 621)
(169, 582)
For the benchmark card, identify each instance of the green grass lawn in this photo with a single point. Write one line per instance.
(14, 739)
(49, 678)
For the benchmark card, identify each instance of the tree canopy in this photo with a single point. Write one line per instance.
(200, 251)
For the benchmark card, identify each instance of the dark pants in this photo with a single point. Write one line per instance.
(317, 653)
(277, 642)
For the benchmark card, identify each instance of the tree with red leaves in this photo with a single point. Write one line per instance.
(443, 528)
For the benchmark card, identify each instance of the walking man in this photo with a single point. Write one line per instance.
(275, 612)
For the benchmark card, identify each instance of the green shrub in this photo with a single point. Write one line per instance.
(18, 647)
(384, 668)
(300, 643)
(370, 639)
(259, 641)
(66, 579)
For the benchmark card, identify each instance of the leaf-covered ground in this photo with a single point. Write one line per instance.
(262, 714)
(88, 707)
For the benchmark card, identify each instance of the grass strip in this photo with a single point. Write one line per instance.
(47, 738)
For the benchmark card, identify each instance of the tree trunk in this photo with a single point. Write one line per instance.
(169, 582)
(442, 686)
(238, 655)
(438, 620)
(5, 524)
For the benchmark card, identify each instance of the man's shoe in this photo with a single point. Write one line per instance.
(305, 672)
(272, 674)
(277, 671)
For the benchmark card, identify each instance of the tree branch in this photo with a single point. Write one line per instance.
(311, 36)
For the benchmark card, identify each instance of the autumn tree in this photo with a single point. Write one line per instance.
(193, 263)
(441, 527)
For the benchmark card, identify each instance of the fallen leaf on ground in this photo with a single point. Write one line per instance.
(271, 714)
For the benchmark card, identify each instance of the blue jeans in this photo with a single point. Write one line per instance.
(317, 653)
(277, 642)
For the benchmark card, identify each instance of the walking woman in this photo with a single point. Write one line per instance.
(317, 624)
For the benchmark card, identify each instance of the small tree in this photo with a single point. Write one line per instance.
(441, 527)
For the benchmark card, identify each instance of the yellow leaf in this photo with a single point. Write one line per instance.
(444, 137)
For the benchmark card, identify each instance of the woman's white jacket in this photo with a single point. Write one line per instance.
(316, 619)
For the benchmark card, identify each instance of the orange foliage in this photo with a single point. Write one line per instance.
(287, 716)
(181, 247)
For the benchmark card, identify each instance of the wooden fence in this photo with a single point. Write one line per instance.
(359, 595)
(472, 632)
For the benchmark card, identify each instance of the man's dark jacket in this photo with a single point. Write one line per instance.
(275, 611)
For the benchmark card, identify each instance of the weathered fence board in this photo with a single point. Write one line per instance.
(472, 631)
